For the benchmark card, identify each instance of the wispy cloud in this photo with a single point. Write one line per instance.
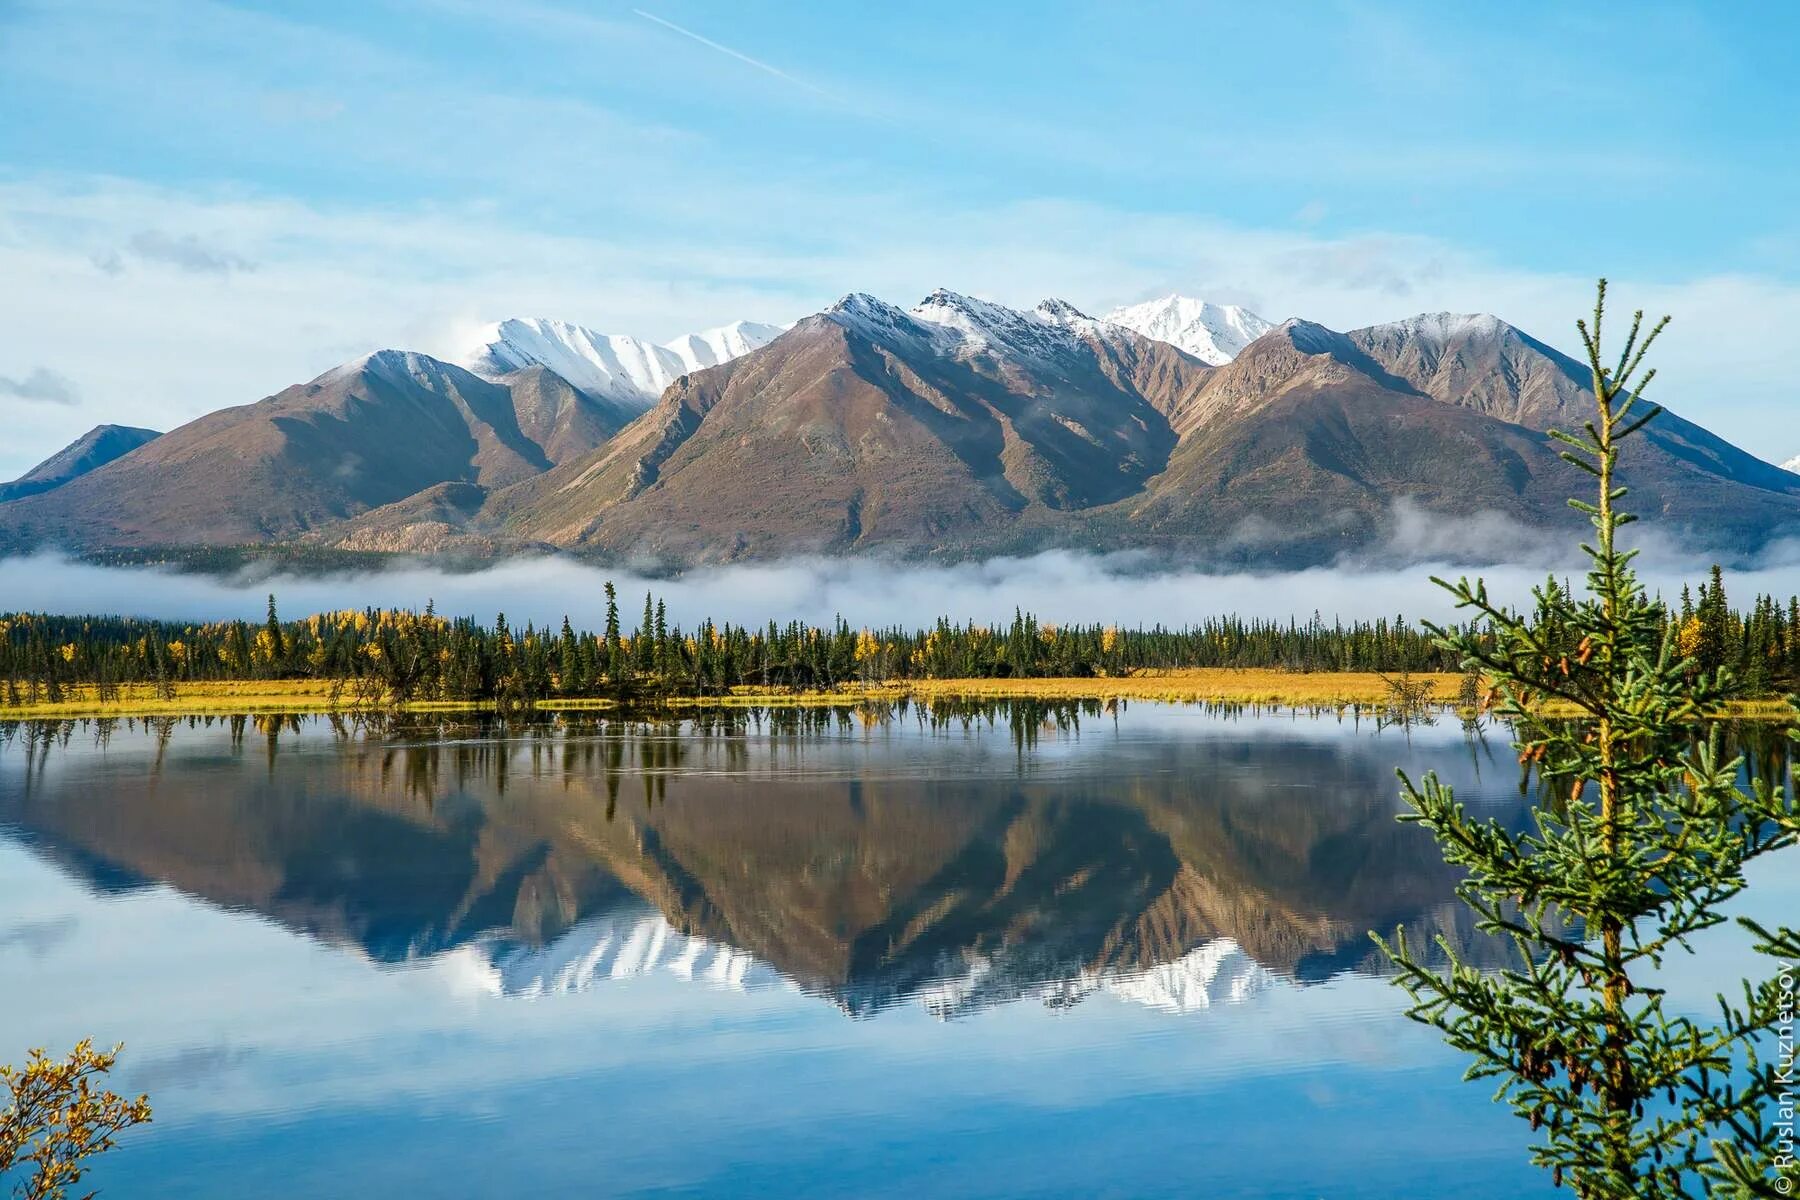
(737, 54)
(42, 384)
(187, 253)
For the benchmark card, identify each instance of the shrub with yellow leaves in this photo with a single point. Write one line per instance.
(56, 1120)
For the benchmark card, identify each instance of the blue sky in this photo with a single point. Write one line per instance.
(202, 203)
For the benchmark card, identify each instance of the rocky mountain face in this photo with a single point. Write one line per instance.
(93, 449)
(959, 428)
(956, 428)
(1309, 435)
(871, 426)
(370, 433)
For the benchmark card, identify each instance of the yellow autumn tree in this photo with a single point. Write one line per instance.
(1687, 638)
(57, 1119)
(867, 650)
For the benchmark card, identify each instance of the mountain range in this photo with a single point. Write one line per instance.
(954, 428)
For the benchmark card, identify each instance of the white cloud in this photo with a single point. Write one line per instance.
(165, 343)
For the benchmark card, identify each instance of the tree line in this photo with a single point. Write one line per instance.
(397, 654)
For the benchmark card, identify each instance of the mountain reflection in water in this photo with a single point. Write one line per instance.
(592, 956)
(869, 857)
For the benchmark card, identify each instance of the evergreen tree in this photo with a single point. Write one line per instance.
(1645, 836)
(614, 658)
(573, 682)
(278, 648)
(662, 639)
(643, 646)
(1715, 623)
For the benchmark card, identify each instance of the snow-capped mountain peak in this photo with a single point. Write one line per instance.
(1792, 464)
(1441, 327)
(623, 368)
(1056, 309)
(862, 309)
(400, 366)
(1310, 337)
(972, 319)
(1053, 328)
(1212, 333)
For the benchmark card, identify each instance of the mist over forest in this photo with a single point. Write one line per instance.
(1128, 590)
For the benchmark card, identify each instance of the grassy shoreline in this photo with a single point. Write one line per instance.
(1312, 690)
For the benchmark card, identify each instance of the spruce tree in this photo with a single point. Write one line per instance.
(643, 646)
(277, 648)
(1643, 839)
(569, 661)
(662, 639)
(614, 666)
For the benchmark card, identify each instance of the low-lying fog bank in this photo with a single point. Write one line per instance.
(1059, 587)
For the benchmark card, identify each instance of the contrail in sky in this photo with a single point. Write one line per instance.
(741, 57)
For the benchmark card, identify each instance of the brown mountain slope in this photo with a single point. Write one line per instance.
(562, 420)
(1306, 441)
(434, 521)
(866, 427)
(366, 434)
(1481, 362)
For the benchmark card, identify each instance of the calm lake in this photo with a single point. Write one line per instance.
(1013, 951)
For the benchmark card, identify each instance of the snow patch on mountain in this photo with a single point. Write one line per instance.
(977, 322)
(614, 946)
(1213, 973)
(952, 323)
(1792, 464)
(1442, 327)
(396, 366)
(875, 318)
(1212, 333)
(1310, 337)
(638, 941)
(623, 368)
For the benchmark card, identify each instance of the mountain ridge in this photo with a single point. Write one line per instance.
(956, 428)
(625, 369)
(89, 452)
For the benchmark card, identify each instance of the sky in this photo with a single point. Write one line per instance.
(203, 203)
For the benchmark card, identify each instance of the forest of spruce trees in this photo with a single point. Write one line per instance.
(400, 655)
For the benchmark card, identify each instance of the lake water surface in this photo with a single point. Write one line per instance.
(1007, 952)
